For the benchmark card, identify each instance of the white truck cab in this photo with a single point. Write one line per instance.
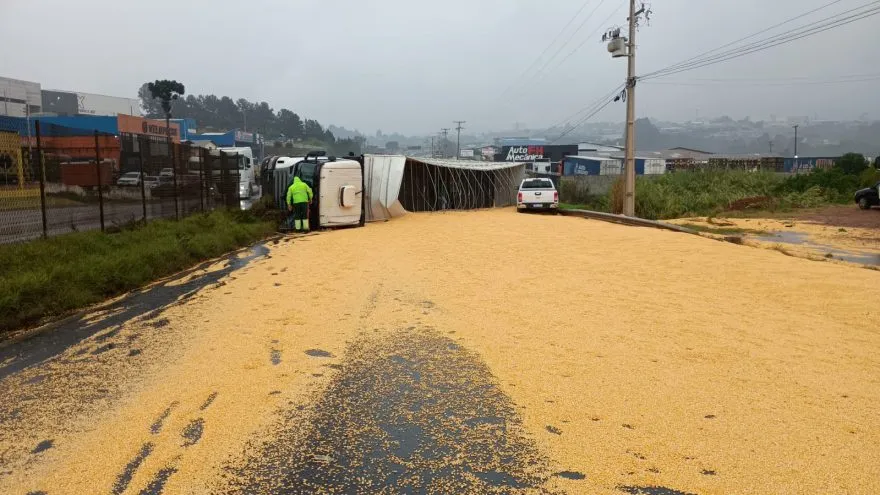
(247, 180)
(337, 184)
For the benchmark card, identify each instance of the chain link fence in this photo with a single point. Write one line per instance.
(56, 180)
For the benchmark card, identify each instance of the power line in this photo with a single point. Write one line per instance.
(838, 23)
(546, 49)
(582, 121)
(774, 79)
(592, 109)
(760, 84)
(767, 43)
(584, 23)
(539, 75)
(587, 108)
(612, 14)
(753, 34)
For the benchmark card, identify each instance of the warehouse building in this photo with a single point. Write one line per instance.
(73, 103)
(19, 98)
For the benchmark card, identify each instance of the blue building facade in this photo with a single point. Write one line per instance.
(808, 164)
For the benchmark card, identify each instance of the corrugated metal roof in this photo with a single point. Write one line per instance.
(466, 164)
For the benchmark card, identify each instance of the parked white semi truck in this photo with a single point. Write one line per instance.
(247, 184)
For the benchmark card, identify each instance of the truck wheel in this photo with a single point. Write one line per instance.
(864, 203)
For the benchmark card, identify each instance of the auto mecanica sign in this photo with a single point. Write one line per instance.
(536, 152)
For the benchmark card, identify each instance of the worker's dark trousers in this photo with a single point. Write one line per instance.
(301, 217)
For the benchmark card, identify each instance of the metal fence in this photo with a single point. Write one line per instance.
(55, 180)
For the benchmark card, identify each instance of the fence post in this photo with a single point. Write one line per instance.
(224, 172)
(140, 143)
(42, 178)
(98, 171)
(171, 151)
(202, 159)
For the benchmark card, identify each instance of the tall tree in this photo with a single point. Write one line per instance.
(152, 107)
(289, 124)
(166, 91)
(225, 113)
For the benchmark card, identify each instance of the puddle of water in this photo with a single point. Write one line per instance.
(43, 446)
(571, 475)
(319, 353)
(802, 239)
(651, 490)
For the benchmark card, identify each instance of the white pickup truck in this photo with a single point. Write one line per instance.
(537, 194)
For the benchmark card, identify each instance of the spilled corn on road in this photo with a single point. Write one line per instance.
(468, 352)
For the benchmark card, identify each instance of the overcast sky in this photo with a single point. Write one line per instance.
(414, 66)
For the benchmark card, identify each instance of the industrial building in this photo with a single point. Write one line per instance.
(19, 98)
(73, 103)
(611, 165)
(27, 98)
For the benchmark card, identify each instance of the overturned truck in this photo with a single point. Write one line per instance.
(392, 185)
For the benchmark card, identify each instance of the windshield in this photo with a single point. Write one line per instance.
(131, 175)
(537, 184)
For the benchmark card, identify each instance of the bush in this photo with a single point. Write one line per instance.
(682, 194)
(869, 177)
(51, 276)
(811, 198)
(852, 163)
(574, 191)
(834, 184)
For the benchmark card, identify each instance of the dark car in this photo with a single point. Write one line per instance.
(868, 197)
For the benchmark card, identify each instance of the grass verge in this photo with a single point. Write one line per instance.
(53, 276)
(712, 192)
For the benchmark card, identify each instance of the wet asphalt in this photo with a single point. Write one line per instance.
(407, 412)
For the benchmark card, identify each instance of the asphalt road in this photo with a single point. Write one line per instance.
(22, 225)
(405, 358)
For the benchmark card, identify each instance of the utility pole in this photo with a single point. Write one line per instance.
(444, 132)
(629, 200)
(458, 128)
(627, 48)
(432, 147)
(796, 164)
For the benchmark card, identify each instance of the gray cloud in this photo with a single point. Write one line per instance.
(408, 66)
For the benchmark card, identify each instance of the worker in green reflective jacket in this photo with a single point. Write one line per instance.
(299, 196)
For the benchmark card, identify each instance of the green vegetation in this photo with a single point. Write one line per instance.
(852, 163)
(696, 194)
(221, 113)
(708, 193)
(52, 276)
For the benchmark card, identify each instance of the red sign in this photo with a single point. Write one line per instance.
(139, 125)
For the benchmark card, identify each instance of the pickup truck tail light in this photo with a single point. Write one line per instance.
(519, 197)
(555, 196)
